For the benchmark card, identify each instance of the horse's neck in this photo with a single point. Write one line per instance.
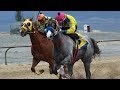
(62, 41)
(36, 38)
(59, 41)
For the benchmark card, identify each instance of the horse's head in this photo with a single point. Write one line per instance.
(52, 28)
(26, 27)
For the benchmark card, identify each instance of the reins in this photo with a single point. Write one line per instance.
(75, 55)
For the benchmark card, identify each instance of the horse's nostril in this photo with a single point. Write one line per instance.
(22, 33)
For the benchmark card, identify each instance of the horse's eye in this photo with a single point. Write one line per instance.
(28, 24)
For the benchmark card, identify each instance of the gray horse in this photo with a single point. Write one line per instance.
(66, 53)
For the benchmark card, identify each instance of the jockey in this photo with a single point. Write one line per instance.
(42, 21)
(69, 26)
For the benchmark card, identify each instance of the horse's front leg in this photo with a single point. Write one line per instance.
(34, 63)
(68, 67)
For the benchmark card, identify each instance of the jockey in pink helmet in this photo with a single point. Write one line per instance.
(69, 26)
(60, 17)
(68, 23)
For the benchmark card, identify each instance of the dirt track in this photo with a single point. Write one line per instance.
(100, 69)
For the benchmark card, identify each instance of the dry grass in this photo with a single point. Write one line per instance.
(100, 69)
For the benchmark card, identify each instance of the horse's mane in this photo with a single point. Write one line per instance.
(35, 28)
(53, 23)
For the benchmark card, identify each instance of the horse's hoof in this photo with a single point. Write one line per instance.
(88, 78)
(51, 72)
(33, 70)
(41, 71)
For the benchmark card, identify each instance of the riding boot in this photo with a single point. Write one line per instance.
(78, 39)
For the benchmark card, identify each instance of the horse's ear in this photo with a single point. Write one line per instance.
(35, 25)
(31, 19)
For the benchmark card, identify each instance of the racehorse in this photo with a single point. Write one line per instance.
(41, 48)
(66, 53)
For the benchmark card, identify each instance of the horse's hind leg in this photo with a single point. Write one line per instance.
(34, 63)
(87, 69)
(70, 70)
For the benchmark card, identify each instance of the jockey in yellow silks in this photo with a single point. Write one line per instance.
(69, 26)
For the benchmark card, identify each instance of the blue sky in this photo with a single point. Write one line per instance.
(102, 20)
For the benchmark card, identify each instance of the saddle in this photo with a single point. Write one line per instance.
(79, 40)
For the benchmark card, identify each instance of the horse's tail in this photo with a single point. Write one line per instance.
(97, 51)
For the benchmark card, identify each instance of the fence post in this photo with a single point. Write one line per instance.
(6, 55)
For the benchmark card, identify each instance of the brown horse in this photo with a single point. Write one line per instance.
(42, 48)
